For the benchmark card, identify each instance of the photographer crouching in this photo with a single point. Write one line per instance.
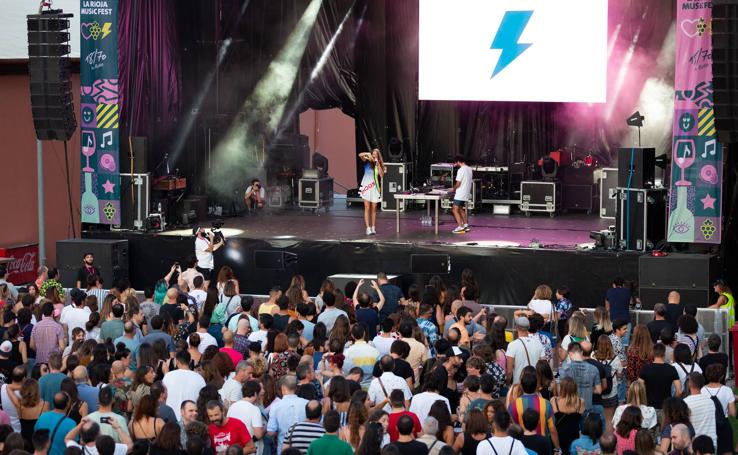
(255, 196)
(205, 244)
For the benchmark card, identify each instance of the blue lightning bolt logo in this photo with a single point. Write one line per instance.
(506, 39)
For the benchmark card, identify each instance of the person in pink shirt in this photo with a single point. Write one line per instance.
(228, 348)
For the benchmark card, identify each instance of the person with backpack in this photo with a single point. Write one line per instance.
(605, 354)
(704, 412)
(724, 396)
(685, 363)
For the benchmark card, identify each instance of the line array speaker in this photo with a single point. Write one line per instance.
(725, 68)
(52, 103)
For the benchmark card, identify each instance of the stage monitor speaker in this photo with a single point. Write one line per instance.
(111, 256)
(273, 260)
(140, 155)
(692, 275)
(430, 263)
(724, 32)
(636, 168)
(52, 105)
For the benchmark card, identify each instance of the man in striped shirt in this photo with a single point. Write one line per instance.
(532, 400)
(301, 434)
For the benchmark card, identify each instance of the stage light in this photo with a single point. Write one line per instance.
(233, 252)
(636, 119)
(262, 112)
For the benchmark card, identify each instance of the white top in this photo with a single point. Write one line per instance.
(231, 391)
(189, 276)
(683, 370)
(464, 176)
(648, 413)
(250, 189)
(247, 413)
(702, 415)
(74, 317)
(260, 336)
(543, 307)
(9, 408)
(723, 394)
(390, 381)
(383, 344)
(206, 340)
(120, 449)
(204, 258)
(422, 402)
(182, 385)
(517, 351)
(502, 446)
(199, 295)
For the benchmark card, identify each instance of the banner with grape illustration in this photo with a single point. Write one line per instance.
(99, 112)
(697, 157)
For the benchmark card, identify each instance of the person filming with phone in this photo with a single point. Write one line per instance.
(205, 244)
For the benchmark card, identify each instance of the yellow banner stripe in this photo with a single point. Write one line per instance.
(101, 119)
(706, 118)
(112, 121)
(102, 108)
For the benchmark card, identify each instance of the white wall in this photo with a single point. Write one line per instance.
(13, 31)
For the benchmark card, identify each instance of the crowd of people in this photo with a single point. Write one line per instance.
(195, 367)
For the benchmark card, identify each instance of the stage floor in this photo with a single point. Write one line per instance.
(564, 231)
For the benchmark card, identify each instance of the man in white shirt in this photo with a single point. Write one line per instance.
(231, 390)
(91, 441)
(501, 443)
(206, 339)
(381, 387)
(462, 193)
(247, 412)
(701, 407)
(182, 384)
(422, 402)
(383, 341)
(255, 196)
(522, 352)
(76, 314)
(260, 336)
(204, 248)
(197, 292)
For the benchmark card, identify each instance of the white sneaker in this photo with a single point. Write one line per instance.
(458, 230)
(374, 230)
(368, 231)
(467, 228)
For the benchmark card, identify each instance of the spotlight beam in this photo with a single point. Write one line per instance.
(262, 112)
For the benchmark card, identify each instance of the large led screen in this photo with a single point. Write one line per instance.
(513, 50)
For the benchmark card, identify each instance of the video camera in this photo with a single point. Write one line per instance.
(217, 233)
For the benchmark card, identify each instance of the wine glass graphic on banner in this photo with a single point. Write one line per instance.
(684, 156)
(88, 148)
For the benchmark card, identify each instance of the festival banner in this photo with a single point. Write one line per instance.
(697, 157)
(99, 137)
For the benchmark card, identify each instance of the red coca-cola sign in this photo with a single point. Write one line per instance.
(25, 262)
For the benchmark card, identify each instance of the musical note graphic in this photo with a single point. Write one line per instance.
(107, 139)
(710, 148)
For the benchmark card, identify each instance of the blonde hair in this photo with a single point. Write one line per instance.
(543, 292)
(576, 326)
(602, 319)
(636, 395)
(568, 391)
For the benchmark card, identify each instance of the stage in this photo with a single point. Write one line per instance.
(497, 249)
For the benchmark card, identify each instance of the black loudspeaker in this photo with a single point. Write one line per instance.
(725, 68)
(636, 168)
(273, 260)
(435, 264)
(111, 256)
(692, 275)
(49, 66)
(134, 149)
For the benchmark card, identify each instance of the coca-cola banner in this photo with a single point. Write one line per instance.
(697, 157)
(25, 262)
